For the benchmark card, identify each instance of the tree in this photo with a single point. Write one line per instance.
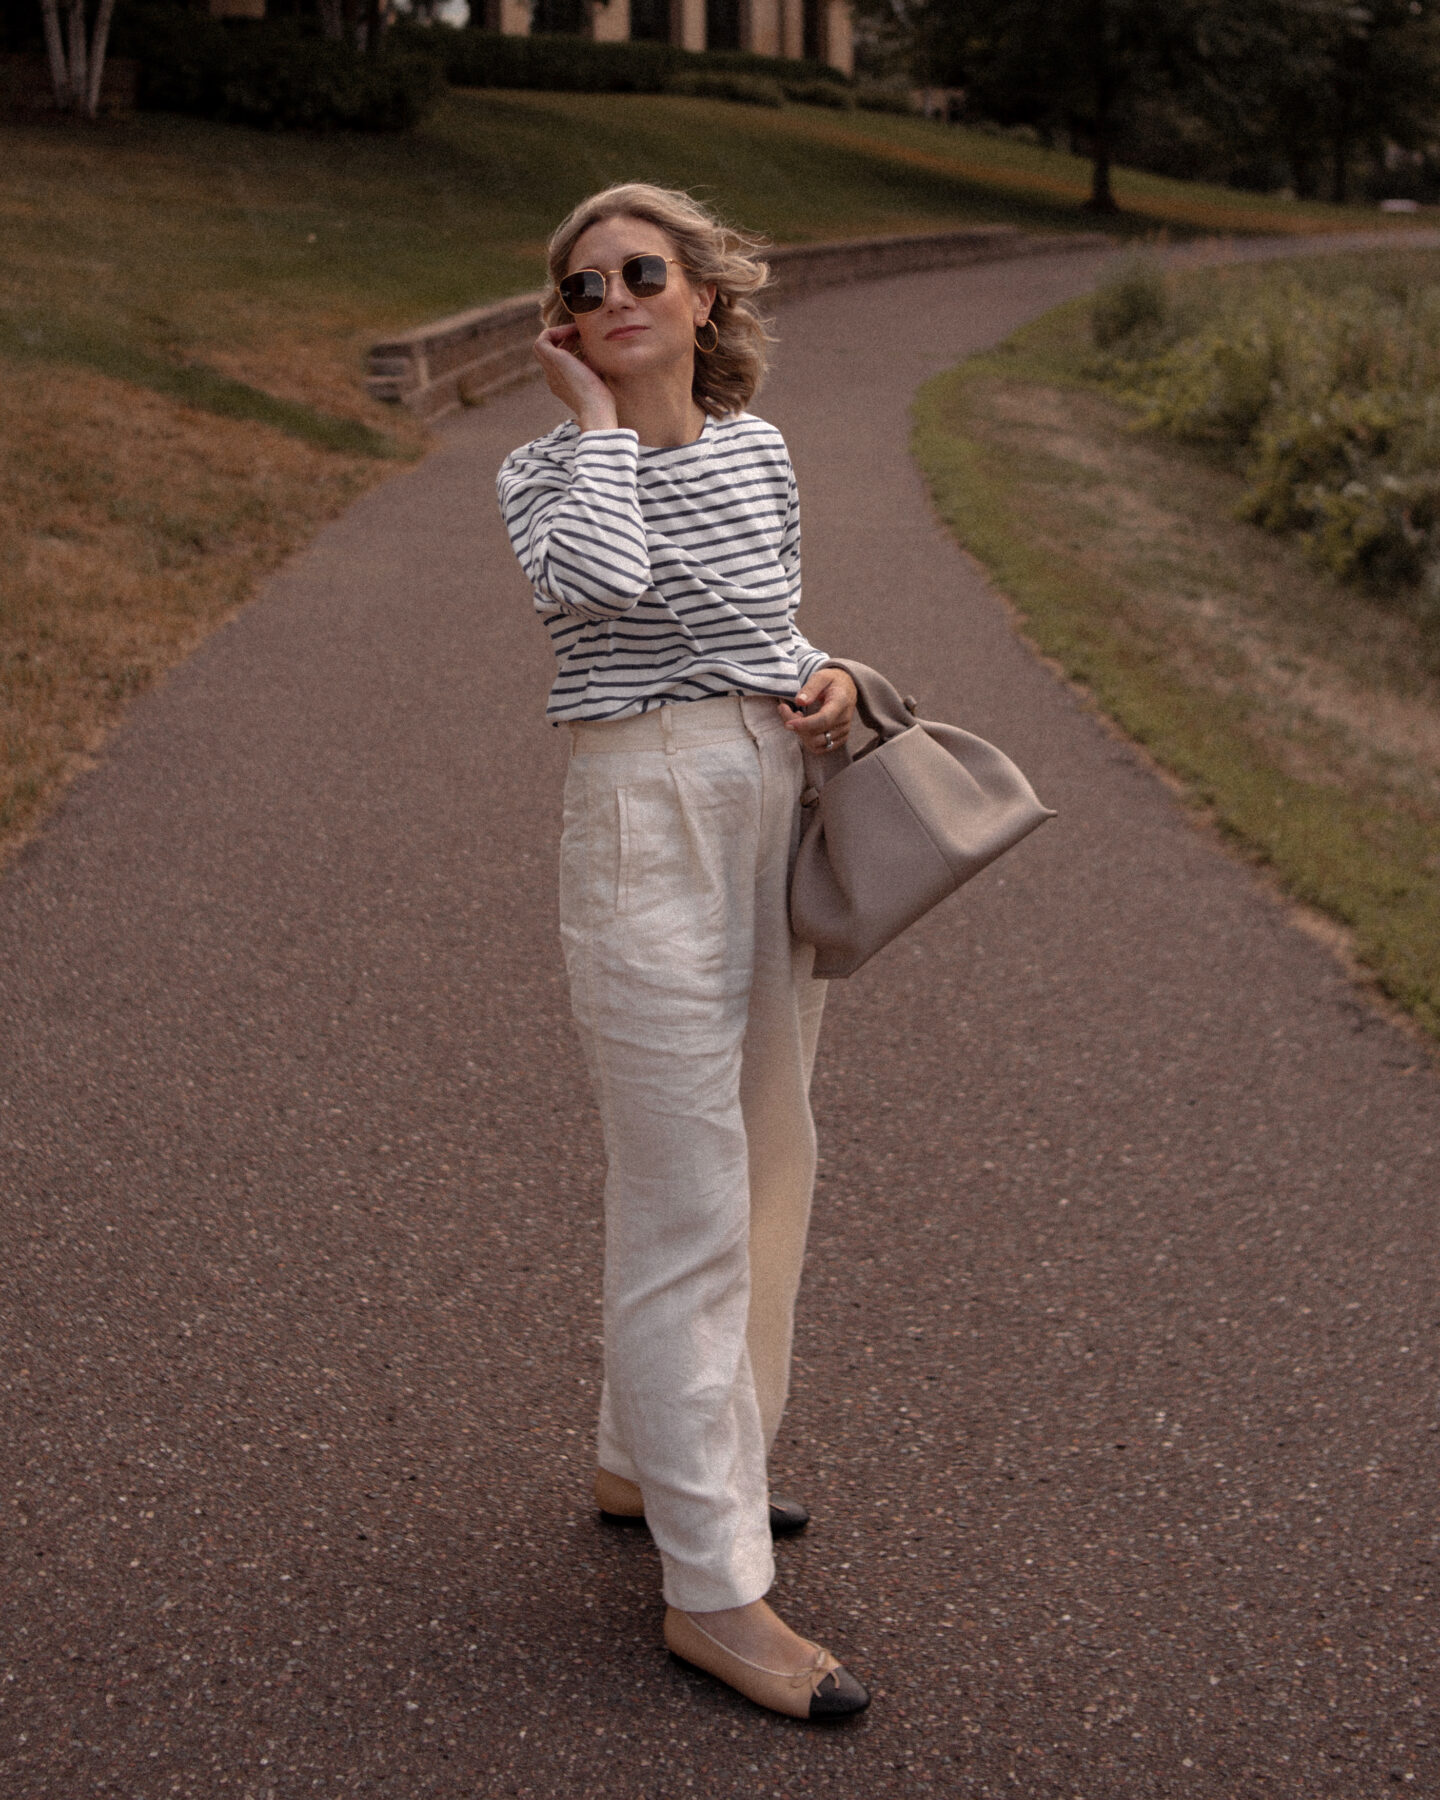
(1382, 77)
(1321, 81)
(77, 64)
(1314, 83)
(1077, 65)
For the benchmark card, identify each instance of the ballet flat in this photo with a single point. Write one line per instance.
(824, 1691)
(618, 1498)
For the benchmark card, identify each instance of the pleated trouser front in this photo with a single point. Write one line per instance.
(699, 1018)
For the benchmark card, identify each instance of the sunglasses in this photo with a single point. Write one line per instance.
(645, 276)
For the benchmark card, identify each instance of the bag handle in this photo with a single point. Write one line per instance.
(880, 707)
(878, 703)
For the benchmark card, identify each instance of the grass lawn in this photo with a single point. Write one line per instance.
(1301, 715)
(184, 311)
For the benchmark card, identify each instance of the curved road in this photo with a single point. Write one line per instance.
(1116, 1372)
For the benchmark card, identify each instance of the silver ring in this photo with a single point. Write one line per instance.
(829, 741)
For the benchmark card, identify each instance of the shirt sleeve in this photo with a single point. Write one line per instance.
(578, 531)
(807, 658)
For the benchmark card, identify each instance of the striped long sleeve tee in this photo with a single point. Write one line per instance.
(661, 574)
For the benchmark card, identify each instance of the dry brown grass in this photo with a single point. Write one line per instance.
(130, 526)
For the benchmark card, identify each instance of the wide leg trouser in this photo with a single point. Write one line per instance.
(699, 1017)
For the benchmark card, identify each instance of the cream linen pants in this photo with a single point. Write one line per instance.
(699, 1018)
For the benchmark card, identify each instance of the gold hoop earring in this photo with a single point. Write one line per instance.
(714, 330)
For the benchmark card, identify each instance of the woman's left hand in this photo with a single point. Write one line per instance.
(832, 693)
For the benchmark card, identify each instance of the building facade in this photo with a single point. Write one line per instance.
(820, 29)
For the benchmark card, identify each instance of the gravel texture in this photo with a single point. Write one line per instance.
(1115, 1396)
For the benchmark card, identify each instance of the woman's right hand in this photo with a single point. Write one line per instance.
(573, 381)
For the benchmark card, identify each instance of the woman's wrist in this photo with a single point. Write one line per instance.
(599, 418)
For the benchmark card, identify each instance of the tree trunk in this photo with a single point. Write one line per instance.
(1102, 199)
(55, 48)
(98, 45)
(332, 19)
(1341, 146)
(79, 82)
(1351, 70)
(1340, 174)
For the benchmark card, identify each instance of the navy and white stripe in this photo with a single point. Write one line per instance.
(662, 575)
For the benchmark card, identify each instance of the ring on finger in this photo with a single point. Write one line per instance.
(829, 741)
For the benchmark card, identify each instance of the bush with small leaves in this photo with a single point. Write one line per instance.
(819, 93)
(1131, 301)
(562, 63)
(264, 72)
(882, 98)
(716, 84)
(1329, 399)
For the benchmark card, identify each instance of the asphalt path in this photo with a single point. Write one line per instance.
(1115, 1396)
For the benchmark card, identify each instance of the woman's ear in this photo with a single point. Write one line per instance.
(704, 300)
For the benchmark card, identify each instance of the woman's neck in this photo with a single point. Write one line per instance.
(661, 418)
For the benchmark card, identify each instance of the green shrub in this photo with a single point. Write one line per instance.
(775, 68)
(1132, 300)
(261, 72)
(716, 84)
(880, 97)
(1358, 475)
(1217, 385)
(819, 93)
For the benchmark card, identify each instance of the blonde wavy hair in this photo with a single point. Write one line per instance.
(728, 377)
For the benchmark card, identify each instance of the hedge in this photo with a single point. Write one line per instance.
(490, 59)
(281, 72)
(720, 84)
(277, 72)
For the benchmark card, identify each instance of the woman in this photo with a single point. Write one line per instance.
(661, 532)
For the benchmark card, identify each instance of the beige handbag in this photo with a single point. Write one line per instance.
(891, 831)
